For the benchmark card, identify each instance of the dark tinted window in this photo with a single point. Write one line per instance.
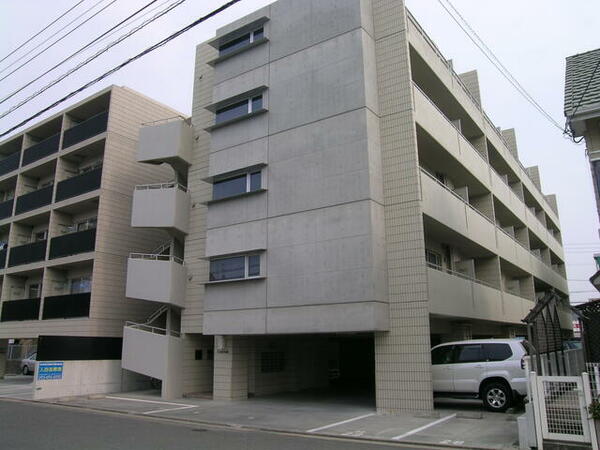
(441, 355)
(232, 111)
(232, 46)
(227, 268)
(255, 183)
(230, 187)
(257, 103)
(466, 353)
(258, 34)
(253, 265)
(497, 352)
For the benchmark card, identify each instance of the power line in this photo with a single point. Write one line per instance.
(90, 59)
(125, 63)
(489, 54)
(28, 40)
(56, 41)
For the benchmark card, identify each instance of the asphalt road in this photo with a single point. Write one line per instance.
(26, 425)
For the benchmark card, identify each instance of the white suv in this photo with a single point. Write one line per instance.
(490, 369)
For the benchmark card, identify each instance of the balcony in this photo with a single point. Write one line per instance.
(165, 206)
(42, 149)
(73, 243)
(86, 129)
(10, 163)
(6, 208)
(28, 253)
(79, 184)
(167, 141)
(453, 294)
(34, 200)
(3, 253)
(156, 278)
(14, 310)
(67, 306)
(150, 351)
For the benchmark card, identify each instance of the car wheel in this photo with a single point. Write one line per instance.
(25, 370)
(496, 397)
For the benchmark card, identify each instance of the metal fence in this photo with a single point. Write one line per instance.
(17, 352)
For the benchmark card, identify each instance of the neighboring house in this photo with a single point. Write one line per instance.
(66, 186)
(350, 204)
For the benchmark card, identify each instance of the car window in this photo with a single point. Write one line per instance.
(468, 353)
(497, 352)
(34, 356)
(441, 355)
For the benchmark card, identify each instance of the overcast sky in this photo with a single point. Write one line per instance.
(532, 39)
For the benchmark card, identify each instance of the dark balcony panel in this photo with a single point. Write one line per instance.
(35, 199)
(20, 310)
(6, 208)
(41, 149)
(66, 306)
(85, 130)
(28, 253)
(10, 163)
(80, 184)
(73, 243)
(3, 258)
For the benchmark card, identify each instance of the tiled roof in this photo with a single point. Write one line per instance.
(580, 69)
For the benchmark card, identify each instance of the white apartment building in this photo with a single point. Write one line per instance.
(342, 203)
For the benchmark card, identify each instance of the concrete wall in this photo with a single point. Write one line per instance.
(88, 377)
(156, 280)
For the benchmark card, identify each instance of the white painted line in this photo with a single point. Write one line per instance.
(146, 401)
(339, 423)
(424, 427)
(169, 409)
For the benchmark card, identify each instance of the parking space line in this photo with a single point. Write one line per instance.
(424, 427)
(169, 409)
(147, 401)
(339, 423)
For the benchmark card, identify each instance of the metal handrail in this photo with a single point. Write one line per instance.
(150, 329)
(457, 78)
(168, 185)
(165, 120)
(156, 257)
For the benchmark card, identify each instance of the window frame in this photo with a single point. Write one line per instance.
(249, 110)
(437, 255)
(229, 47)
(248, 184)
(246, 276)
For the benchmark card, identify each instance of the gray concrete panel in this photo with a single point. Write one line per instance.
(243, 321)
(247, 294)
(238, 157)
(236, 238)
(237, 210)
(240, 132)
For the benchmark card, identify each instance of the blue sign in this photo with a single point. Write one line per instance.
(50, 370)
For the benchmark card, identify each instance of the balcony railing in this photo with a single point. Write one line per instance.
(35, 199)
(10, 163)
(151, 329)
(28, 309)
(41, 149)
(28, 253)
(86, 129)
(6, 208)
(67, 306)
(79, 184)
(73, 243)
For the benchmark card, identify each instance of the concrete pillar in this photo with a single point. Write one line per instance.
(510, 137)
(551, 199)
(231, 368)
(471, 81)
(3, 350)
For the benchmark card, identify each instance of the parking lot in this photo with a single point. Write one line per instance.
(462, 424)
(17, 386)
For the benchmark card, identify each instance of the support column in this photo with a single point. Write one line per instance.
(231, 368)
(402, 354)
(3, 350)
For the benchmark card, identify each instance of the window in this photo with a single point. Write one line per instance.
(198, 355)
(497, 352)
(468, 353)
(234, 268)
(87, 224)
(40, 236)
(271, 362)
(241, 184)
(35, 290)
(442, 355)
(433, 258)
(80, 285)
(241, 42)
(239, 109)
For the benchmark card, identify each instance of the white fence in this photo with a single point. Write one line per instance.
(567, 362)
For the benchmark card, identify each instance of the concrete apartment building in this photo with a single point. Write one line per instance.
(66, 185)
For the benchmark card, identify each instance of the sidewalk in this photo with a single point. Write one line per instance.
(462, 425)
